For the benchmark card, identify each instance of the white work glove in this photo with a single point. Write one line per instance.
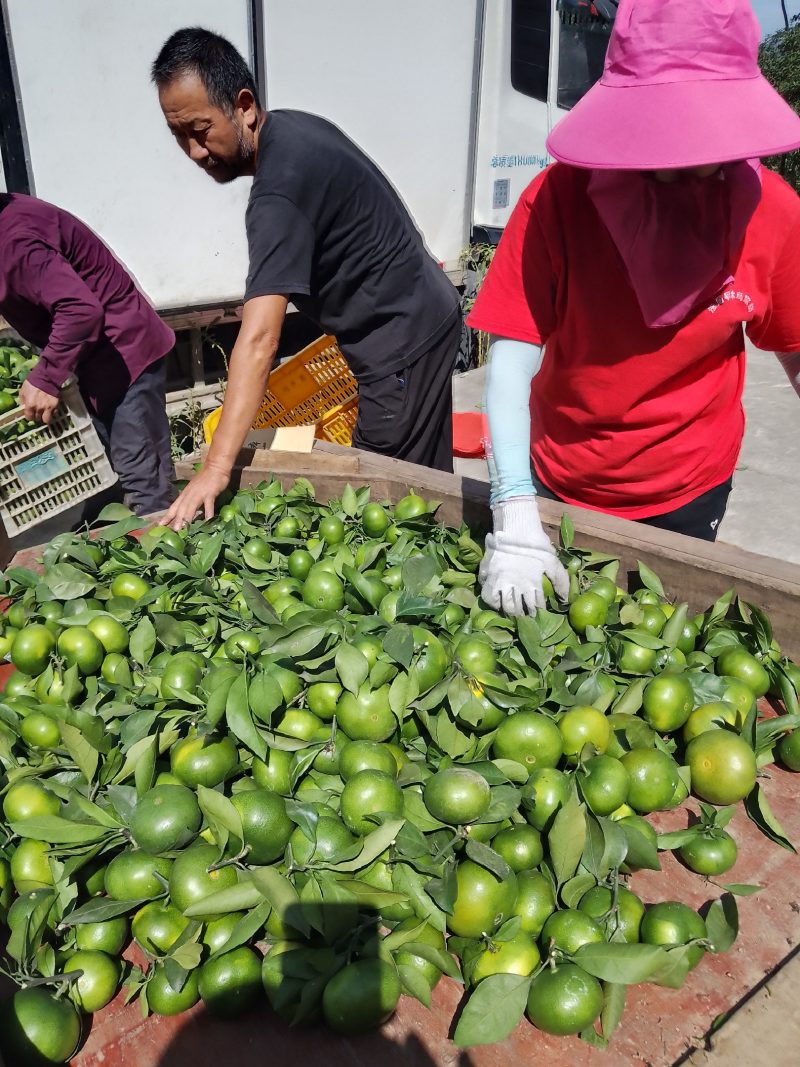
(518, 555)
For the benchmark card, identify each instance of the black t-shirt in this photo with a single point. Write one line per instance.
(326, 229)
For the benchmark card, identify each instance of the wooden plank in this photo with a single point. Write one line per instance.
(690, 569)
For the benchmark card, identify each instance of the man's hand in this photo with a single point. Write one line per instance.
(37, 405)
(248, 372)
(199, 495)
(518, 556)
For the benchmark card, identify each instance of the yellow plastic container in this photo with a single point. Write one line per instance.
(315, 387)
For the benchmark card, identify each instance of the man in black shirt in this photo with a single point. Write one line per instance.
(327, 231)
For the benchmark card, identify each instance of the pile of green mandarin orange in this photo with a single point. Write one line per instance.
(290, 756)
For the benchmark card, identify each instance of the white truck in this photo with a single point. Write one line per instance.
(452, 98)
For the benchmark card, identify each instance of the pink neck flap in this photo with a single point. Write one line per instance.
(679, 241)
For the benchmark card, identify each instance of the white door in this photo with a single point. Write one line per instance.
(539, 58)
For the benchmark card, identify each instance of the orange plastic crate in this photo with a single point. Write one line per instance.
(312, 386)
(338, 424)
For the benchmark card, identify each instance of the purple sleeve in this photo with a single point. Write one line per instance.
(42, 276)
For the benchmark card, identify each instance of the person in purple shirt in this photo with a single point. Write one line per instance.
(64, 292)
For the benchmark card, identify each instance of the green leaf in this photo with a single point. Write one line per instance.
(417, 572)
(406, 880)
(631, 614)
(650, 579)
(631, 700)
(81, 752)
(369, 897)
(449, 738)
(187, 956)
(398, 644)
(567, 532)
(26, 933)
(566, 839)
(444, 889)
(620, 962)
(258, 604)
(414, 984)
(762, 627)
(722, 922)
(175, 974)
(101, 909)
(615, 845)
(352, 667)
(208, 549)
(79, 809)
(143, 641)
(222, 817)
(282, 895)
(349, 501)
(66, 582)
(437, 956)
(246, 928)
(145, 769)
(401, 692)
(23, 576)
(375, 844)
(673, 629)
(240, 719)
(740, 890)
(769, 731)
(574, 889)
(643, 638)
(642, 852)
(301, 641)
(593, 848)
(265, 696)
(675, 968)
(504, 801)
(678, 838)
(493, 1011)
(759, 811)
(57, 831)
(515, 772)
(613, 1007)
(241, 897)
(488, 858)
(115, 512)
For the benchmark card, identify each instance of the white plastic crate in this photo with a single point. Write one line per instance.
(48, 469)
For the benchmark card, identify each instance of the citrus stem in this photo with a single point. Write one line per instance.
(231, 861)
(446, 850)
(55, 979)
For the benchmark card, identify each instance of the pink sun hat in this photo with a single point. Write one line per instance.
(681, 87)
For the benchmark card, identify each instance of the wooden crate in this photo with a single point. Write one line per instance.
(691, 570)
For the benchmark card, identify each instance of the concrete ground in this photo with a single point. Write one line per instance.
(765, 1029)
(764, 509)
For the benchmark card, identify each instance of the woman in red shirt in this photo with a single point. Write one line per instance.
(625, 282)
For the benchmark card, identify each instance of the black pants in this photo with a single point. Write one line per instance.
(136, 437)
(699, 518)
(409, 415)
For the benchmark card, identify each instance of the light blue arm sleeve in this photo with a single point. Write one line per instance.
(512, 367)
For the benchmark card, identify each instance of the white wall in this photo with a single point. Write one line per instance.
(100, 147)
(398, 79)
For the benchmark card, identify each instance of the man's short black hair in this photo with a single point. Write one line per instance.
(218, 65)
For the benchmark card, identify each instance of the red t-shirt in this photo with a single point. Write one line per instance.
(627, 419)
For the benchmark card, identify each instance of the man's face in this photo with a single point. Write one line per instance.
(222, 145)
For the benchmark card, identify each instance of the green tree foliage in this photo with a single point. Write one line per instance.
(780, 61)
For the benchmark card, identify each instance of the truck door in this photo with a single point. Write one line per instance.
(539, 58)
